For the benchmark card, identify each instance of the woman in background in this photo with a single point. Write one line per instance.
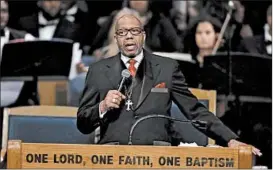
(203, 35)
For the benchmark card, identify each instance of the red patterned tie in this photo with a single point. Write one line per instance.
(132, 67)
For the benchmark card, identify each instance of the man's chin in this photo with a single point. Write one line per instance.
(130, 54)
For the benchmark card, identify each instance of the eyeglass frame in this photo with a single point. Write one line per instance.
(129, 30)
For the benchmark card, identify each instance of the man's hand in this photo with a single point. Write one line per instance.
(234, 144)
(81, 68)
(112, 100)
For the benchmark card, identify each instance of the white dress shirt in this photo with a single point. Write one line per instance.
(4, 40)
(47, 32)
(138, 59)
(268, 37)
(71, 12)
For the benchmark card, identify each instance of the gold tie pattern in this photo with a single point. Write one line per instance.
(132, 67)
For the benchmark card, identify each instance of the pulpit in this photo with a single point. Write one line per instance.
(41, 155)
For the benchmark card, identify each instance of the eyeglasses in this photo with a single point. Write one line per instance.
(133, 31)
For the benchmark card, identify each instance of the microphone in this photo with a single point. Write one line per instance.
(231, 5)
(197, 123)
(125, 74)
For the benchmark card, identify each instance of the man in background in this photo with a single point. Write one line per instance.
(15, 93)
(49, 23)
(260, 44)
(10, 91)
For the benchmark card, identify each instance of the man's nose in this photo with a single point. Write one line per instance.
(129, 35)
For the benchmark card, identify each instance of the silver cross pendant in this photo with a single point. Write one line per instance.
(129, 104)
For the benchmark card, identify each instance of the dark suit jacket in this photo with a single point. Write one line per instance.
(16, 34)
(115, 126)
(255, 45)
(65, 28)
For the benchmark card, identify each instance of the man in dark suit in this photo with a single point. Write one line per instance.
(48, 23)
(156, 82)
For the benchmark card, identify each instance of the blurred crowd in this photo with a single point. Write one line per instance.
(186, 27)
(169, 25)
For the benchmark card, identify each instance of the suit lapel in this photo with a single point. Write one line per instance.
(11, 35)
(113, 70)
(58, 30)
(262, 46)
(151, 71)
(34, 22)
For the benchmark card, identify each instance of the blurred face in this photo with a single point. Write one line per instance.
(129, 36)
(4, 13)
(140, 6)
(205, 36)
(52, 7)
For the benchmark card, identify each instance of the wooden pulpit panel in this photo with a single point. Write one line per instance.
(53, 92)
(32, 155)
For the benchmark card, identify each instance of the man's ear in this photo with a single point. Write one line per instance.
(144, 37)
(115, 37)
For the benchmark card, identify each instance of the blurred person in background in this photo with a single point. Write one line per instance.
(49, 22)
(260, 44)
(76, 11)
(8, 34)
(161, 34)
(15, 93)
(183, 12)
(202, 35)
(11, 92)
(54, 21)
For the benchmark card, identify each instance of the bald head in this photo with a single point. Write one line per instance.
(128, 19)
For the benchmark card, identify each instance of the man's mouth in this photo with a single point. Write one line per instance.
(130, 46)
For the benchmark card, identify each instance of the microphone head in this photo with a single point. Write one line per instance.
(231, 4)
(125, 73)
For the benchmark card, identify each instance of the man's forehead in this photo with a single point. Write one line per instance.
(128, 26)
(128, 22)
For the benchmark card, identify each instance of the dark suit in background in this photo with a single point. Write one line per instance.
(64, 29)
(254, 45)
(105, 75)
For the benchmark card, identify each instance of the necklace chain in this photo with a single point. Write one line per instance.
(129, 92)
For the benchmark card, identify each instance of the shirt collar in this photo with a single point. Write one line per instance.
(43, 21)
(138, 58)
(267, 36)
(6, 33)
